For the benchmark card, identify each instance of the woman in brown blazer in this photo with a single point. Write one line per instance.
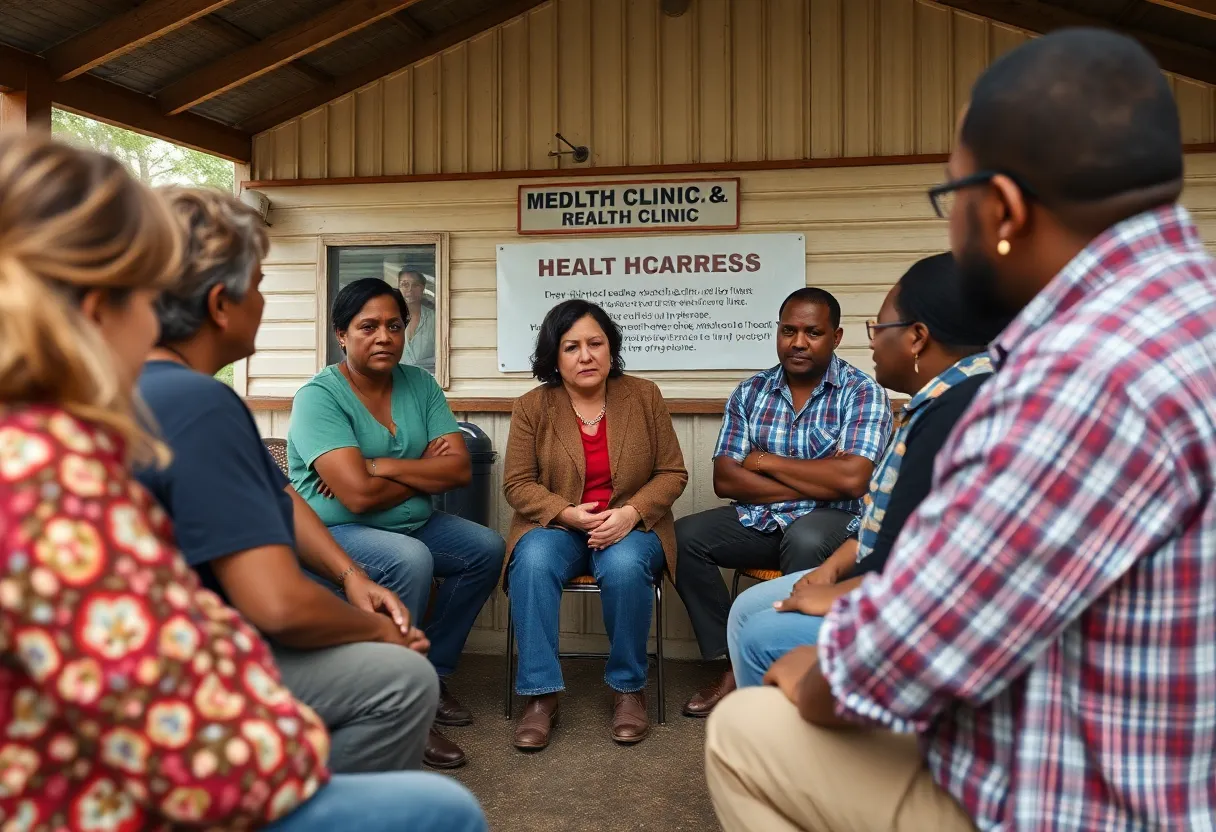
(593, 467)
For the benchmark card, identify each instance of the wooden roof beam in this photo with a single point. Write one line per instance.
(146, 22)
(504, 11)
(239, 38)
(1203, 8)
(90, 96)
(1041, 18)
(281, 48)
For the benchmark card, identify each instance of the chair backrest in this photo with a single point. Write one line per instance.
(278, 450)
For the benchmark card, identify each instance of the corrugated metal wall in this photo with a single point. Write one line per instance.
(731, 80)
(863, 227)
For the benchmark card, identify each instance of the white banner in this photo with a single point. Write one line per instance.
(613, 207)
(706, 302)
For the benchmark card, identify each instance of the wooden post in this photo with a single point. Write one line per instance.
(29, 108)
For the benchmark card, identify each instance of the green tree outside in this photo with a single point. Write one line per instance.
(153, 161)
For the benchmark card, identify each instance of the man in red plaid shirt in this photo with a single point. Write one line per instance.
(1040, 653)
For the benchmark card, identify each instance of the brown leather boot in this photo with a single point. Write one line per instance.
(450, 711)
(536, 724)
(704, 700)
(630, 720)
(441, 752)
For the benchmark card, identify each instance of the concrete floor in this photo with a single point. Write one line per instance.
(584, 780)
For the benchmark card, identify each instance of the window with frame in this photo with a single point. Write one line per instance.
(414, 264)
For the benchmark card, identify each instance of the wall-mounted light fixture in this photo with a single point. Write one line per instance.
(580, 154)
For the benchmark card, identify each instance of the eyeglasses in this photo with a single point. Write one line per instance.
(941, 197)
(874, 326)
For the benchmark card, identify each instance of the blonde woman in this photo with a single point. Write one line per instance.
(129, 696)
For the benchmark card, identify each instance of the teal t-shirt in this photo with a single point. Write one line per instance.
(326, 415)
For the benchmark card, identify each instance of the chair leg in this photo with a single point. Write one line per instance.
(509, 689)
(734, 586)
(658, 649)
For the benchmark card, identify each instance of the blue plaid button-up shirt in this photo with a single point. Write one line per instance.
(848, 413)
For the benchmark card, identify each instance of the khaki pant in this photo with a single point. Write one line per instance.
(770, 770)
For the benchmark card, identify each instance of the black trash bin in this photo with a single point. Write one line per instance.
(473, 501)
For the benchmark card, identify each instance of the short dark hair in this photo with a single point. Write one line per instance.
(931, 293)
(354, 296)
(813, 294)
(1079, 115)
(557, 323)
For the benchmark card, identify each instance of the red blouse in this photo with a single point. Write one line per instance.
(130, 698)
(598, 487)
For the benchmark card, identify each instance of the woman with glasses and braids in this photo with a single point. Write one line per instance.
(930, 346)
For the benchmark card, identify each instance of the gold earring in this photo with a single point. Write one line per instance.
(1002, 248)
(916, 363)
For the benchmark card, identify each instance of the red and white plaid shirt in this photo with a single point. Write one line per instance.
(1047, 619)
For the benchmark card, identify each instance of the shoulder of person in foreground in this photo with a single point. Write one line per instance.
(221, 488)
(99, 610)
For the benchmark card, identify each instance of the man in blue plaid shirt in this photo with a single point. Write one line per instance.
(795, 455)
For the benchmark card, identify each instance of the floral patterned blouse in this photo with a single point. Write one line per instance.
(130, 698)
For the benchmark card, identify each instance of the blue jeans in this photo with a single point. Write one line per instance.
(757, 635)
(387, 802)
(467, 556)
(544, 560)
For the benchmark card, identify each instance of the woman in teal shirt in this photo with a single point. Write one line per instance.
(370, 441)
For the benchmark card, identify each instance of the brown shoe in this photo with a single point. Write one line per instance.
(630, 721)
(536, 724)
(450, 711)
(441, 752)
(705, 699)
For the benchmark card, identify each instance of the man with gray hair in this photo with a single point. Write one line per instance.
(358, 662)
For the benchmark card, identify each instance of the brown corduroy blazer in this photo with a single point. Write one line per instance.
(546, 471)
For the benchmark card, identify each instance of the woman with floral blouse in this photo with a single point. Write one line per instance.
(130, 698)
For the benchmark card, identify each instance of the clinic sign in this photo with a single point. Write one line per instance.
(615, 207)
(682, 301)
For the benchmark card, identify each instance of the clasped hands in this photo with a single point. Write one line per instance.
(603, 528)
(364, 593)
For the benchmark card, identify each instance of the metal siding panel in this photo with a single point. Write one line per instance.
(827, 81)
(677, 83)
(454, 112)
(483, 125)
(426, 117)
(748, 48)
(714, 73)
(369, 131)
(788, 43)
(543, 70)
(642, 89)
(860, 70)
(608, 127)
(513, 86)
(934, 92)
(396, 156)
(574, 72)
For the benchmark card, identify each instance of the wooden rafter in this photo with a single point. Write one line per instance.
(146, 22)
(406, 22)
(1203, 8)
(108, 102)
(281, 48)
(432, 45)
(1040, 18)
(238, 38)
